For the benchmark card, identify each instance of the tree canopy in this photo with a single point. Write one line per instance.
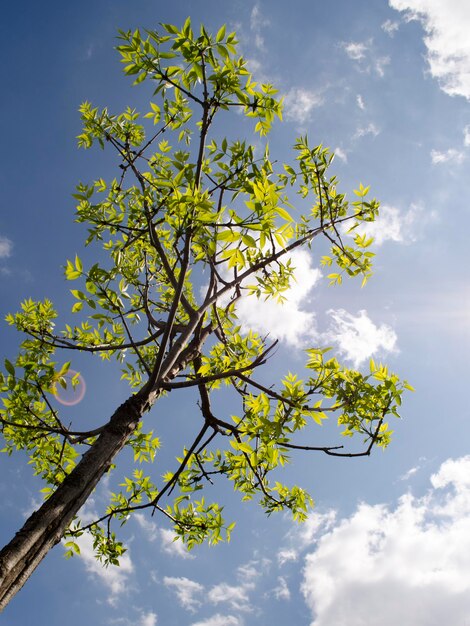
(192, 223)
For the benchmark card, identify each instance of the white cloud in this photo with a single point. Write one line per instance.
(360, 102)
(255, 67)
(285, 555)
(357, 337)
(356, 50)
(446, 25)
(304, 535)
(287, 322)
(187, 591)
(148, 619)
(313, 527)
(281, 592)
(219, 620)
(380, 64)
(251, 570)
(149, 527)
(341, 154)
(365, 55)
(299, 104)
(248, 571)
(411, 472)
(257, 23)
(449, 156)
(370, 129)
(390, 27)
(116, 579)
(235, 595)
(6, 247)
(404, 565)
(414, 470)
(397, 225)
(89, 52)
(175, 548)
(466, 136)
(191, 594)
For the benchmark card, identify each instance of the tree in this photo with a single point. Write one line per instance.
(188, 214)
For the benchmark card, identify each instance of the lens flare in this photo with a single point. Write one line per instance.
(71, 394)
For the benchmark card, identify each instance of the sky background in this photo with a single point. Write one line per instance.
(387, 86)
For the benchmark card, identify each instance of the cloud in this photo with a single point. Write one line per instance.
(191, 594)
(219, 620)
(357, 337)
(281, 592)
(116, 579)
(390, 27)
(446, 25)
(141, 619)
(393, 224)
(380, 64)
(235, 595)
(175, 548)
(341, 154)
(466, 136)
(248, 571)
(299, 104)
(148, 619)
(252, 570)
(285, 555)
(6, 246)
(89, 52)
(415, 469)
(411, 472)
(406, 564)
(149, 527)
(366, 56)
(363, 131)
(255, 67)
(360, 102)
(303, 536)
(288, 322)
(356, 50)
(449, 156)
(187, 591)
(257, 23)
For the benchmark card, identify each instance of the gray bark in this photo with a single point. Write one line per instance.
(46, 526)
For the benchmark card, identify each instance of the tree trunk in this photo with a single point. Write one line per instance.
(46, 526)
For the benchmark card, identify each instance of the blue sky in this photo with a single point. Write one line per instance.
(387, 86)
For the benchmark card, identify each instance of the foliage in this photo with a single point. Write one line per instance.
(192, 223)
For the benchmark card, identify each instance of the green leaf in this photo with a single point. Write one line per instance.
(228, 235)
(244, 447)
(283, 213)
(220, 34)
(187, 27)
(9, 367)
(170, 29)
(74, 548)
(70, 272)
